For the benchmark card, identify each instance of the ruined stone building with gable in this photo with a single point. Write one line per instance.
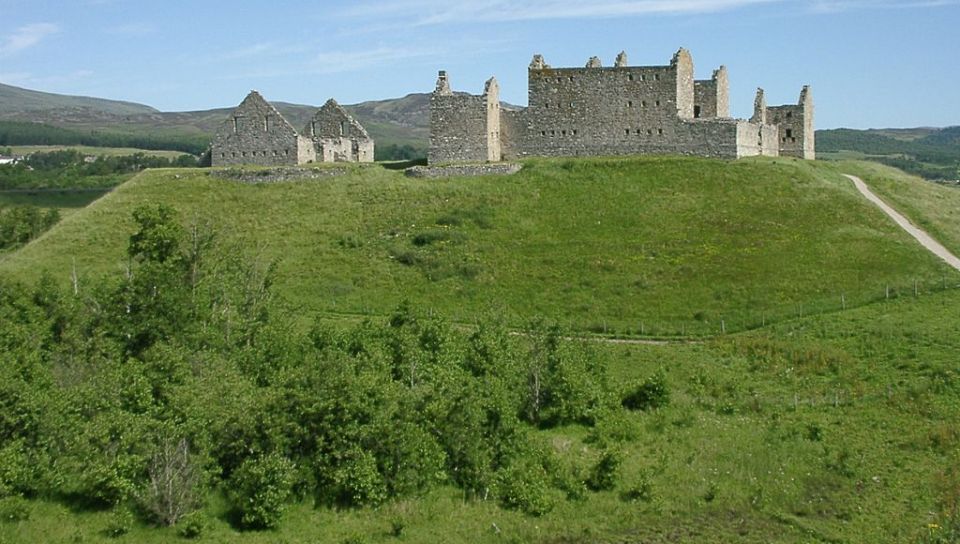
(623, 110)
(256, 133)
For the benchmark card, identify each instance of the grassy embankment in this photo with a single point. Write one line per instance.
(650, 246)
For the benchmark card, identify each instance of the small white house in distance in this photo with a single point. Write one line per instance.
(8, 160)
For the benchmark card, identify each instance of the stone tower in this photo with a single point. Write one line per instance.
(464, 128)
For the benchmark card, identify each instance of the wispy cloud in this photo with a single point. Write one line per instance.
(837, 6)
(332, 62)
(453, 11)
(26, 37)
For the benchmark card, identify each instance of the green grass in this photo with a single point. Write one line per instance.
(651, 246)
(934, 208)
(834, 428)
(97, 151)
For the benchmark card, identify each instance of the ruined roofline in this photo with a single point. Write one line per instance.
(255, 95)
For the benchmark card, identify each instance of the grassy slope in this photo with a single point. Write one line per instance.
(669, 245)
(834, 428)
(933, 207)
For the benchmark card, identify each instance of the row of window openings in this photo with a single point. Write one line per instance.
(554, 132)
(266, 125)
(254, 153)
(630, 77)
(643, 104)
(637, 131)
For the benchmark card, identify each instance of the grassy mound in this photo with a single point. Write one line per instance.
(651, 246)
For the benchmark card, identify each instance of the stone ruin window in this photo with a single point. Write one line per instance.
(637, 132)
(343, 127)
(649, 132)
(696, 112)
(789, 114)
(574, 132)
(572, 105)
(543, 133)
(660, 131)
(223, 155)
(559, 80)
(266, 123)
(234, 154)
(563, 132)
(656, 77)
(546, 105)
(571, 78)
(658, 103)
(627, 132)
(629, 103)
(630, 77)
(643, 103)
(789, 133)
(286, 151)
(274, 152)
(643, 77)
(553, 133)
(236, 125)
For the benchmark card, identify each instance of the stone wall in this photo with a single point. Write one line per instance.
(256, 133)
(460, 125)
(595, 111)
(337, 136)
(795, 126)
(712, 96)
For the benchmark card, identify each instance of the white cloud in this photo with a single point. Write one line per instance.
(26, 37)
(27, 79)
(837, 6)
(428, 12)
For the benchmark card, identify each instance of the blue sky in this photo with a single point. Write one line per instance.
(872, 63)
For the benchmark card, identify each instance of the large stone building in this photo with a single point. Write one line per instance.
(623, 110)
(256, 133)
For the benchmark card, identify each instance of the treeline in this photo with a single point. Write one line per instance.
(399, 152)
(72, 169)
(149, 391)
(22, 133)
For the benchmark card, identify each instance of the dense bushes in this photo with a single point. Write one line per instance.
(72, 169)
(181, 378)
(20, 224)
(21, 133)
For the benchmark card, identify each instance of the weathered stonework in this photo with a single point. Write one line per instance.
(468, 170)
(256, 133)
(621, 110)
(338, 137)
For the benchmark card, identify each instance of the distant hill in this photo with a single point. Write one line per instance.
(401, 121)
(15, 101)
(933, 153)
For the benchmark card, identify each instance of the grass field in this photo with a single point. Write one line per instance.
(647, 246)
(836, 428)
(933, 207)
(95, 151)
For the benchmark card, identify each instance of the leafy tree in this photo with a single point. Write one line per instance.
(260, 489)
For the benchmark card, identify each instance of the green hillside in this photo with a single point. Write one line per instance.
(640, 246)
(15, 99)
(931, 153)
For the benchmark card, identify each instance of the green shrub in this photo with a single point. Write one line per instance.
(358, 481)
(119, 523)
(260, 488)
(641, 490)
(524, 486)
(649, 394)
(192, 525)
(14, 508)
(605, 474)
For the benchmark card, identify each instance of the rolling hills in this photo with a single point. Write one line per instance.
(642, 246)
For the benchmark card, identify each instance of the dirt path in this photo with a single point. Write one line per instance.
(925, 239)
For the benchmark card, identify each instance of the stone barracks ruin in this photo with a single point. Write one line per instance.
(256, 133)
(623, 110)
